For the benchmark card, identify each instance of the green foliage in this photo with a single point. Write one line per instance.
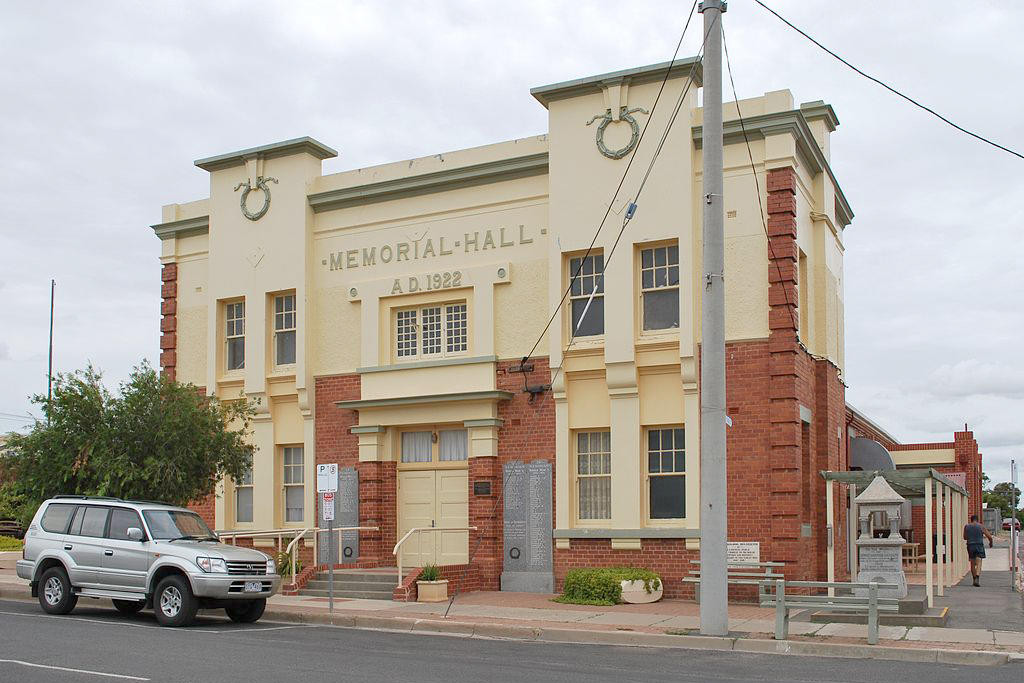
(1001, 497)
(430, 572)
(8, 543)
(283, 560)
(155, 439)
(581, 601)
(603, 586)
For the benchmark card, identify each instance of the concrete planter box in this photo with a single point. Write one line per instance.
(432, 591)
(634, 593)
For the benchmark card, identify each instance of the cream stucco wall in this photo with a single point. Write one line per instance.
(493, 226)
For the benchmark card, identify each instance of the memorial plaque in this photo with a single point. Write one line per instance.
(482, 488)
(875, 559)
(527, 527)
(346, 513)
(743, 551)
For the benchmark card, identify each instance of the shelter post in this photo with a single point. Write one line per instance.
(949, 536)
(940, 547)
(929, 544)
(830, 532)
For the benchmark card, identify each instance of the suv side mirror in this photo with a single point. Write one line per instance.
(135, 533)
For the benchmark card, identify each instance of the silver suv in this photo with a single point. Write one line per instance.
(140, 555)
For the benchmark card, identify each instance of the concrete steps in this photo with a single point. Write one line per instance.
(372, 584)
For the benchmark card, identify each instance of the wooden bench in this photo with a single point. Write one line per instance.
(773, 594)
(741, 573)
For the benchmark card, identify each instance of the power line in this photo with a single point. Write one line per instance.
(622, 180)
(889, 87)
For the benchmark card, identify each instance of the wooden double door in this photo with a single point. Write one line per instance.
(433, 498)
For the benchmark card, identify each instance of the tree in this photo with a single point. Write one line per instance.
(155, 439)
(1001, 497)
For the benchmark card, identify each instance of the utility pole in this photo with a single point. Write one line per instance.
(49, 366)
(714, 593)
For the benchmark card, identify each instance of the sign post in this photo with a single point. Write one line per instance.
(327, 486)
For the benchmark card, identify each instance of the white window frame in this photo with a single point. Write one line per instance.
(452, 317)
(580, 287)
(602, 457)
(292, 468)
(679, 431)
(438, 434)
(281, 319)
(245, 484)
(649, 278)
(234, 328)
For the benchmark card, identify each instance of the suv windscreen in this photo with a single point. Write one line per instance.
(55, 519)
(174, 524)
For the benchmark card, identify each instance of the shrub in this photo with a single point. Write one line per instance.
(9, 543)
(284, 563)
(430, 572)
(603, 586)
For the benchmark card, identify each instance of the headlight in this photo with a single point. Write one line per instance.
(213, 565)
(271, 566)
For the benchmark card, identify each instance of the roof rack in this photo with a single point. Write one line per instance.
(81, 497)
(151, 502)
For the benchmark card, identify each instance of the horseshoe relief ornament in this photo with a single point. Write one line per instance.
(261, 184)
(624, 115)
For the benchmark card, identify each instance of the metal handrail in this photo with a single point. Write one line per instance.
(416, 530)
(316, 535)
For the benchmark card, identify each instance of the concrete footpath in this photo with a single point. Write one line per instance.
(668, 623)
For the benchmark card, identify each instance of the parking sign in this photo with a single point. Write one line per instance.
(327, 509)
(327, 478)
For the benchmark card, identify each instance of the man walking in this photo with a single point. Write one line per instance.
(975, 535)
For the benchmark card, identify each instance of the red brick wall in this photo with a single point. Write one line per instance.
(668, 557)
(206, 509)
(335, 443)
(169, 320)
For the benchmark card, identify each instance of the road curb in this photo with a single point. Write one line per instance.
(619, 638)
(663, 640)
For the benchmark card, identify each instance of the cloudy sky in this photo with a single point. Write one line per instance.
(105, 105)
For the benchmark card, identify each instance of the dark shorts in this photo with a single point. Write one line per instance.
(976, 550)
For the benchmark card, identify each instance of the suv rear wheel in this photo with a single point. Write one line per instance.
(174, 604)
(55, 594)
(247, 612)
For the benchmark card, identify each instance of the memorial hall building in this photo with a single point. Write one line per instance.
(379, 318)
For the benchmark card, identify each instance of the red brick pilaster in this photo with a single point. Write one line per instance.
(169, 321)
(785, 483)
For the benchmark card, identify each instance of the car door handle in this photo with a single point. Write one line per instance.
(67, 547)
(108, 553)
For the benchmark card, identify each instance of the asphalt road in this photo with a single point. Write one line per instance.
(98, 645)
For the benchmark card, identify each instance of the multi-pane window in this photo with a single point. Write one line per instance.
(294, 480)
(454, 445)
(433, 331)
(284, 329)
(594, 474)
(659, 287)
(586, 295)
(666, 473)
(243, 498)
(417, 447)
(234, 333)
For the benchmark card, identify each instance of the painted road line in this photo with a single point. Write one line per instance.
(75, 671)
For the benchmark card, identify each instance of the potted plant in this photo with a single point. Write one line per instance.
(430, 587)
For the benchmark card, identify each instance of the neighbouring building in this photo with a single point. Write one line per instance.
(380, 316)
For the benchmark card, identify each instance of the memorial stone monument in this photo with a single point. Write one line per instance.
(527, 566)
(881, 559)
(346, 513)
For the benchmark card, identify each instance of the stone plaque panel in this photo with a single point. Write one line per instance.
(346, 513)
(527, 527)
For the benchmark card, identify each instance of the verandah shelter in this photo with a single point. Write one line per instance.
(951, 513)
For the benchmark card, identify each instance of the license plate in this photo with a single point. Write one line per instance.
(253, 587)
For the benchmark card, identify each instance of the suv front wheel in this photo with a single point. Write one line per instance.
(174, 604)
(247, 612)
(55, 594)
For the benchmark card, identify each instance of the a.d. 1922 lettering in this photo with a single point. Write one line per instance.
(429, 282)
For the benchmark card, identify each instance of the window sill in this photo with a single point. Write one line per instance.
(652, 532)
(432, 363)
